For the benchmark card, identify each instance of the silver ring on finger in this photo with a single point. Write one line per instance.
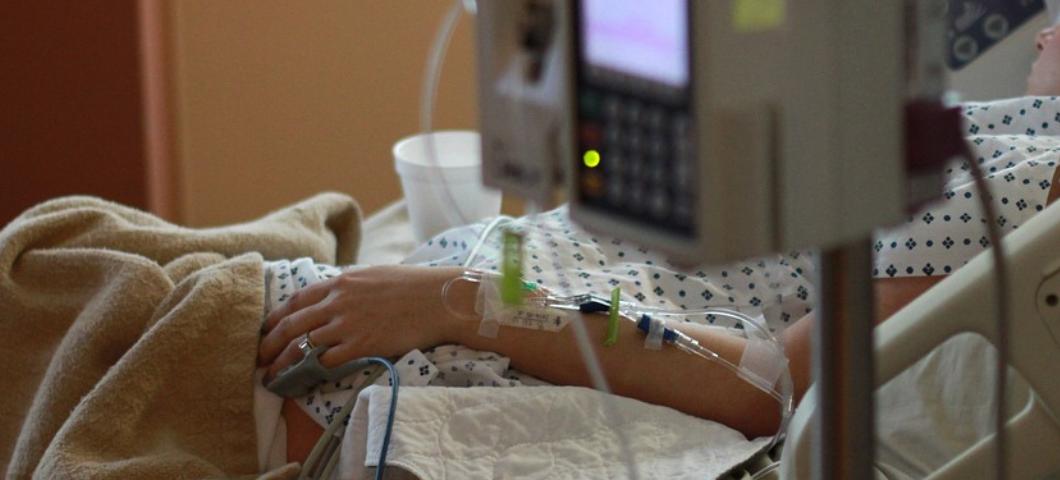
(306, 345)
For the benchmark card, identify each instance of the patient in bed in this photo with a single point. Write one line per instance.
(393, 310)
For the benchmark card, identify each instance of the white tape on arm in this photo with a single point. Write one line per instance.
(496, 314)
(654, 340)
(763, 362)
(487, 304)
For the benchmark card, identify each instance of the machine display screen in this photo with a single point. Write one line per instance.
(636, 150)
(647, 40)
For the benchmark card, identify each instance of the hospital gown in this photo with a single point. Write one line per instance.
(1016, 143)
(1013, 141)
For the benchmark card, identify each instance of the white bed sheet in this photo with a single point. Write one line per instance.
(940, 406)
(536, 432)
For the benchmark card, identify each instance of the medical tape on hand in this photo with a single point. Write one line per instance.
(486, 303)
(654, 340)
(763, 361)
(496, 312)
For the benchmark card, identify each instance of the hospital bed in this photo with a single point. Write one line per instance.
(935, 326)
(966, 303)
(386, 240)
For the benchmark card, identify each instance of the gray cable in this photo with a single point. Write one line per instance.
(326, 447)
(1001, 277)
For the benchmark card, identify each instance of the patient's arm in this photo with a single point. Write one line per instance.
(387, 311)
(894, 293)
(666, 377)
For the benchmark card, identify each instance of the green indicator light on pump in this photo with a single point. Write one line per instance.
(591, 158)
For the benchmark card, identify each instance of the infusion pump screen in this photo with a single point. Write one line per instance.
(648, 40)
(637, 157)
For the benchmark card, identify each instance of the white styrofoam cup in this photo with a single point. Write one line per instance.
(442, 182)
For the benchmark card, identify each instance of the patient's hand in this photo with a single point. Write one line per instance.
(380, 311)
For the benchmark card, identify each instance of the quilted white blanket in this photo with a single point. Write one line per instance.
(535, 432)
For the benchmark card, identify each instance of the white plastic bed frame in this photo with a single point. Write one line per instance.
(965, 302)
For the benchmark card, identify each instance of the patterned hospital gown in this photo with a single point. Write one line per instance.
(1015, 142)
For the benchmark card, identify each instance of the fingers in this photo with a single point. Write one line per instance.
(290, 355)
(304, 312)
(337, 353)
(310, 295)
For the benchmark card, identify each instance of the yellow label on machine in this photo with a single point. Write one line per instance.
(749, 16)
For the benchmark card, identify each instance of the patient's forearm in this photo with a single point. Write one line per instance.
(670, 377)
(893, 294)
(666, 377)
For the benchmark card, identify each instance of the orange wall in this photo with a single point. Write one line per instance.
(275, 101)
(265, 101)
(69, 103)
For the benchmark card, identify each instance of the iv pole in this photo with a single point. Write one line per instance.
(843, 366)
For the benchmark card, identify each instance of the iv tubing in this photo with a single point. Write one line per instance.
(633, 311)
(468, 276)
(723, 312)
(693, 347)
(431, 79)
(599, 382)
(501, 220)
(783, 393)
(597, 377)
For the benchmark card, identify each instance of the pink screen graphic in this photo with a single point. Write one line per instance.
(639, 38)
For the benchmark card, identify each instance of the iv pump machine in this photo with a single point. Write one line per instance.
(709, 130)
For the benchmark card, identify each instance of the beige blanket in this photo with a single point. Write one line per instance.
(128, 344)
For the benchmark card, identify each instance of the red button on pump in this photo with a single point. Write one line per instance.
(590, 134)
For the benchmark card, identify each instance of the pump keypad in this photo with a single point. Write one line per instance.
(646, 171)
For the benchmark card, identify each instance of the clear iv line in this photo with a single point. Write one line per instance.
(781, 389)
(743, 318)
(431, 79)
